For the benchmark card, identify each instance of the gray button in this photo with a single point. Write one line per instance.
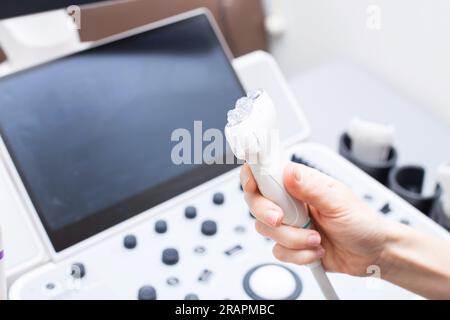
(200, 250)
(405, 221)
(161, 226)
(173, 281)
(240, 229)
(205, 275)
(170, 256)
(386, 209)
(130, 241)
(190, 212)
(233, 250)
(209, 228)
(218, 198)
(147, 293)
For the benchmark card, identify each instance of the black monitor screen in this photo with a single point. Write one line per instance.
(14, 8)
(91, 134)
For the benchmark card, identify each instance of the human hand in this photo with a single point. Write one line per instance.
(348, 235)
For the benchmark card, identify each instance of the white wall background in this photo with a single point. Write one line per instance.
(410, 50)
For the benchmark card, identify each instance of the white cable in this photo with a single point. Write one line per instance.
(370, 141)
(254, 137)
(322, 280)
(3, 294)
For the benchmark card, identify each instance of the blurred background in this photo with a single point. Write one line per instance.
(407, 47)
(403, 42)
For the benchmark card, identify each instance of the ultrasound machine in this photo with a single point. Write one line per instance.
(92, 205)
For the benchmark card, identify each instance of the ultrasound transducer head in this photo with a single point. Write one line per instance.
(253, 135)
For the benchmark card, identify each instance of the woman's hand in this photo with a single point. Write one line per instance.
(348, 235)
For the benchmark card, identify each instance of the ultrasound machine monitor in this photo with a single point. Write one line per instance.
(89, 135)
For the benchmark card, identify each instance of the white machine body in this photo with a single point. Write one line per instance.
(228, 256)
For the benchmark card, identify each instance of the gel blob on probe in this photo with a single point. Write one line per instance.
(253, 136)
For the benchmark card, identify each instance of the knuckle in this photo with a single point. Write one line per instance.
(296, 242)
(279, 253)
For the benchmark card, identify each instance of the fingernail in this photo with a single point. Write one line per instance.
(272, 217)
(244, 178)
(320, 253)
(314, 239)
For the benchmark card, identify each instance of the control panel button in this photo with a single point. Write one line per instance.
(272, 282)
(386, 209)
(147, 293)
(218, 198)
(130, 241)
(161, 226)
(405, 221)
(78, 270)
(191, 296)
(240, 229)
(233, 250)
(190, 212)
(205, 276)
(209, 228)
(170, 256)
(173, 281)
(50, 286)
(200, 250)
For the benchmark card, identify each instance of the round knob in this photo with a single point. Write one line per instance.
(170, 256)
(272, 282)
(209, 228)
(147, 293)
(161, 226)
(130, 241)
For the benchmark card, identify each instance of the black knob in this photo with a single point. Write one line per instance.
(161, 226)
(190, 212)
(209, 228)
(147, 293)
(170, 256)
(130, 241)
(218, 198)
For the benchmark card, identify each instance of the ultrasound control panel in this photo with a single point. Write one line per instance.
(205, 247)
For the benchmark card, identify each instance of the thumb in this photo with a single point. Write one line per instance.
(317, 189)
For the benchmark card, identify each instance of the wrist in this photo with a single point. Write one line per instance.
(395, 241)
(409, 259)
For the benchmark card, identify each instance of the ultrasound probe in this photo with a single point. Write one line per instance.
(252, 134)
